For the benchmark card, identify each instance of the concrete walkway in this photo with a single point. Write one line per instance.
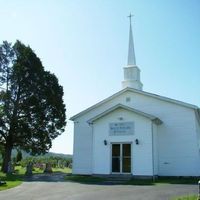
(53, 189)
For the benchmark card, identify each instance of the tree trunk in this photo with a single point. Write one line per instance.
(6, 158)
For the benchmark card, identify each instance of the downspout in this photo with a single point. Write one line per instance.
(152, 138)
(75, 122)
(91, 125)
(197, 129)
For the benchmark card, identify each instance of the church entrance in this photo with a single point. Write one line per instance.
(121, 158)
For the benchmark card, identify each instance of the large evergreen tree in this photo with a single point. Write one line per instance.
(32, 111)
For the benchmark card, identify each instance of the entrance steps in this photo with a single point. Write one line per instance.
(116, 179)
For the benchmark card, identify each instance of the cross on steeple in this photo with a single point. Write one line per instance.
(130, 16)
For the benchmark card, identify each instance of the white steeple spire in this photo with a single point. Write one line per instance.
(131, 71)
(131, 51)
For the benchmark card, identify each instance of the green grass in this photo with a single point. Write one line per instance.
(10, 184)
(64, 170)
(186, 198)
(84, 179)
(22, 170)
(12, 180)
(37, 171)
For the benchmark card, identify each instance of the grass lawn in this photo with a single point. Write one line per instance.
(22, 170)
(12, 180)
(10, 184)
(64, 170)
(186, 198)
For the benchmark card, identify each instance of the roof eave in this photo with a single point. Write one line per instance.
(157, 121)
(97, 104)
(139, 92)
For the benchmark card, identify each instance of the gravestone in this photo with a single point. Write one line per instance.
(48, 168)
(59, 163)
(2, 183)
(29, 169)
(10, 168)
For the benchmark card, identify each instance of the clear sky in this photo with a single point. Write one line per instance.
(85, 43)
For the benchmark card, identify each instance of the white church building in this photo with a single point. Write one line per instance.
(137, 133)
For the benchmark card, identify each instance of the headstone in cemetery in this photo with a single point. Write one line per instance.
(29, 169)
(48, 168)
(10, 168)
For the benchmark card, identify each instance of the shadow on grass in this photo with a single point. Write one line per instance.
(140, 182)
(133, 181)
(12, 177)
(85, 179)
(92, 180)
(165, 180)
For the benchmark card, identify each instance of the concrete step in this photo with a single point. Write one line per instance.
(117, 177)
(111, 182)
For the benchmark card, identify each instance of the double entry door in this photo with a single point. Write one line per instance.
(121, 158)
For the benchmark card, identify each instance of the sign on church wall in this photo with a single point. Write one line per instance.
(121, 128)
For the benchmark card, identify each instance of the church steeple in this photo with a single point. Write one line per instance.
(131, 51)
(131, 71)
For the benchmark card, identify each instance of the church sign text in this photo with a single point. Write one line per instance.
(121, 128)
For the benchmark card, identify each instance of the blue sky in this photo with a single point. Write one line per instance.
(85, 43)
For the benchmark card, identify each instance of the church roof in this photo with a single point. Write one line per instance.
(139, 92)
(151, 117)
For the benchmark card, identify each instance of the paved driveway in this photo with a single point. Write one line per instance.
(59, 190)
